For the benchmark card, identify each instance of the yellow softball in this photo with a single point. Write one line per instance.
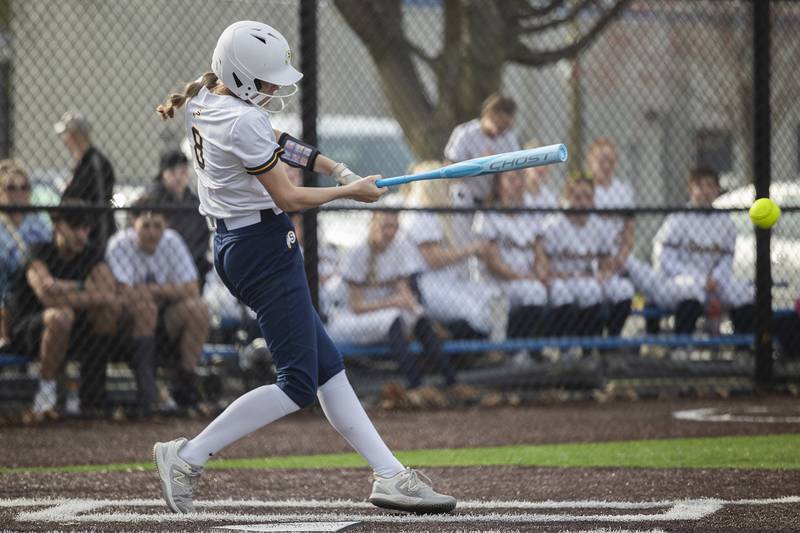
(764, 213)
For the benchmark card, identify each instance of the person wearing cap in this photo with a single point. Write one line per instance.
(63, 301)
(92, 176)
(171, 187)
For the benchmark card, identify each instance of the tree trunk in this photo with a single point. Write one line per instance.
(484, 54)
(479, 37)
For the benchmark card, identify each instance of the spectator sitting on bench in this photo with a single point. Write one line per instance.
(333, 293)
(17, 230)
(382, 305)
(787, 330)
(64, 292)
(510, 262)
(576, 253)
(611, 192)
(171, 187)
(158, 280)
(693, 256)
(446, 292)
(539, 194)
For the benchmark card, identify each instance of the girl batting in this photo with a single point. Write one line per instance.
(244, 191)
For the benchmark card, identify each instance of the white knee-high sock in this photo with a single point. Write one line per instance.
(347, 416)
(248, 413)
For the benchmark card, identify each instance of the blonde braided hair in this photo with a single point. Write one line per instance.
(175, 100)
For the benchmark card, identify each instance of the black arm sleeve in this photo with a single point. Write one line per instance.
(296, 153)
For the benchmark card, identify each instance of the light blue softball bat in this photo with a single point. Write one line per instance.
(490, 164)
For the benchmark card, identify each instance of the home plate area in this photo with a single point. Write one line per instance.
(340, 515)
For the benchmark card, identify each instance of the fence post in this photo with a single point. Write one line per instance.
(5, 78)
(762, 178)
(308, 116)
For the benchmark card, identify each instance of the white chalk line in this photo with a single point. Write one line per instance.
(605, 530)
(77, 510)
(372, 518)
(752, 415)
(348, 504)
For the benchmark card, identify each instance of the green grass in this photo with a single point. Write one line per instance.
(770, 452)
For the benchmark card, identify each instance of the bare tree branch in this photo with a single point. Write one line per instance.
(523, 8)
(569, 17)
(479, 38)
(520, 53)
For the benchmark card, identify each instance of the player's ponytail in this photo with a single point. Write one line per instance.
(175, 100)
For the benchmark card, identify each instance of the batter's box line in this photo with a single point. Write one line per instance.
(352, 504)
(79, 511)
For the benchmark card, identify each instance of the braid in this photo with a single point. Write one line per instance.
(176, 100)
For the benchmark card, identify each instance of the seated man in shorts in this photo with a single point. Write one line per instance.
(158, 280)
(62, 301)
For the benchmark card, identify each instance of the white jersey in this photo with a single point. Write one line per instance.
(399, 260)
(545, 198)
(618, 195)
(467, 141)
(701, 244)
(232, 141)
(171, 262)
(574, 249)
(514, 235)
(424, 227)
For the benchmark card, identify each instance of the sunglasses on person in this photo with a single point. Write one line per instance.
(17, 187)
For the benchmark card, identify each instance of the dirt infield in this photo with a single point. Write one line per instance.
(569, 487)
(93, 442)
(525, 498)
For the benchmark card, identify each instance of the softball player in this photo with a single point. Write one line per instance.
(444, 285)
(381, 303)
(611, 192)
(576, 249)
(510, 260)
(693, 253)
(536, 178)
(244, 190)
(491, 133)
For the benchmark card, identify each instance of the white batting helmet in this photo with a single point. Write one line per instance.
(248, 51)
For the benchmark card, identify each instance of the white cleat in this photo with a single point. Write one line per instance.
(405, 491)
(177, 476)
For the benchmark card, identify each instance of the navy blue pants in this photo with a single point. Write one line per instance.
(262, 266)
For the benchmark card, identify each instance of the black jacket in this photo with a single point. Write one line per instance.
(190, 223)
(93, 181)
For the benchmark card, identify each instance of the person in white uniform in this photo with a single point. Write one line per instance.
(446, 292)
(575, 253)
(157, 275)
(539, 193)
(490, 133)
(693, 257)
(510, 260)
(244, 191)
(382, 304)
(610, 192)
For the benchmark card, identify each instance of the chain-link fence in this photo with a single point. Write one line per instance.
(634, 263)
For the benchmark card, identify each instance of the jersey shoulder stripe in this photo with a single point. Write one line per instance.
(268, 165)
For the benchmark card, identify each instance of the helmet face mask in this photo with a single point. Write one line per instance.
(249, 51)
(279, 98)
